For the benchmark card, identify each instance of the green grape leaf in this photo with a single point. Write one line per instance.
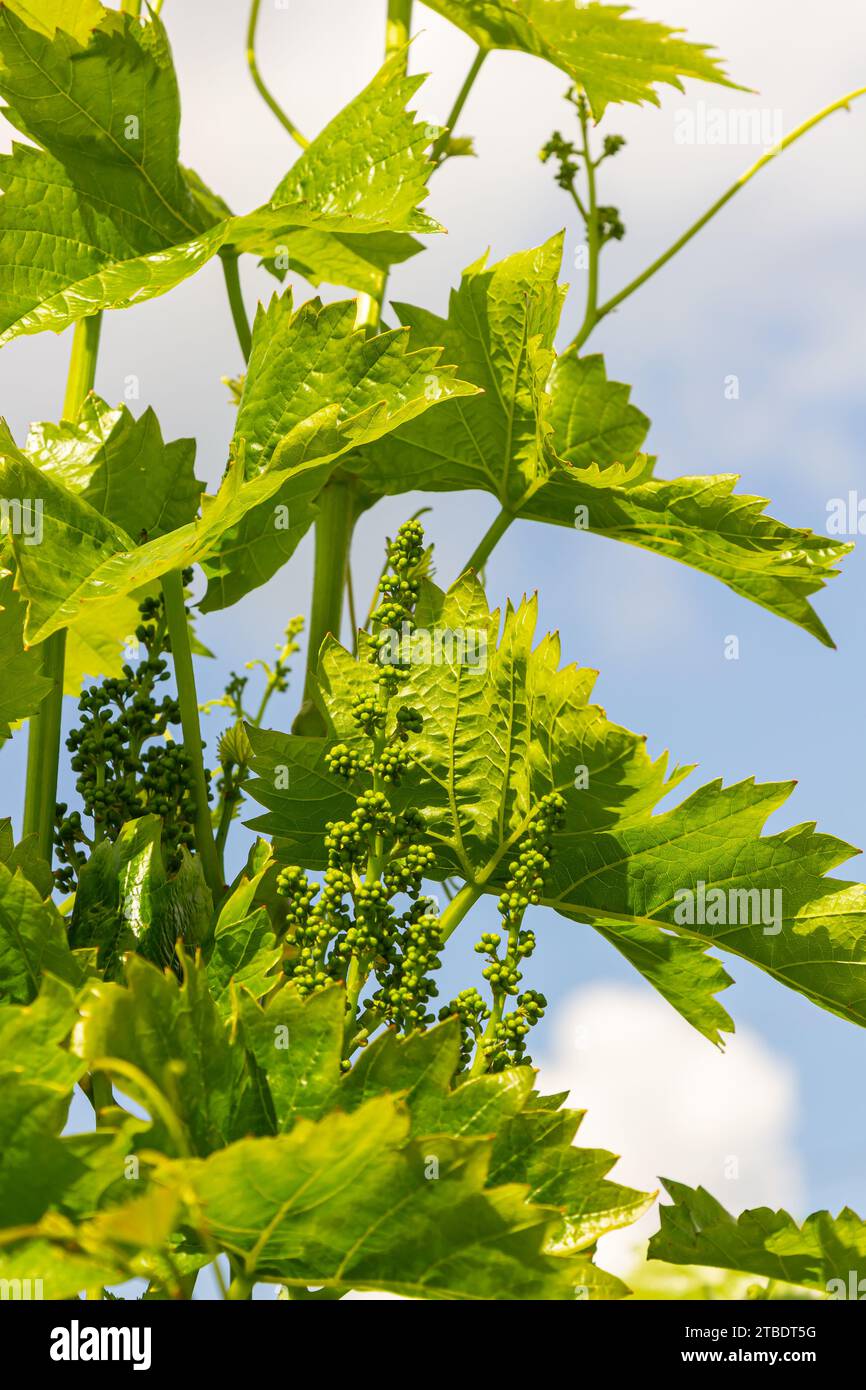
(96, 643)
(76, 17)
(37, 1075)
(126, 901)
(25, 856)
(593, 419)
(555, 441)
(824, 1252)
(504, 725)
(297, 1044)
(86, 562)
(614, 57)
(64, 1270)
(537, 1147)
(500, 329)
(32, 939)
(371, 159)
(123, 1242)
(105, 115)
(300, 361)
(172, 1037)
(356, 260)
(533, 1146)
(346, 1203)
(244, 951)
(121, 466)
(682, 970)
(23, 687)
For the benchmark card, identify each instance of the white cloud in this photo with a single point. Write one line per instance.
(672, 1105)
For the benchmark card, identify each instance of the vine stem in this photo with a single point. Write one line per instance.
(397, 33)
(397, 27)
(842, 104)
(43, 748)
(336, 520)
(178, 631)
(437, 154)
(491, 538)
(263, 91)
(231, 272)
(591, 314)
(458, 907)
(334, 526)
(479, 1062)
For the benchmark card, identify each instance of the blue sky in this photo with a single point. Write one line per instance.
(772, 292)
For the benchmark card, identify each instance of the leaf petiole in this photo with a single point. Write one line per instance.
(178, 631)
(231, 272)
(439, 151)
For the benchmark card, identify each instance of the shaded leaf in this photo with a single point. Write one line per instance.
(23, 687)
(173, 1034)
(345, 1203)
(32, 940)
(825, 1252)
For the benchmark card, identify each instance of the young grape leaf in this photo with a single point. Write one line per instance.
(298, 361)
(368, 167)
(503, 725)
(96, 646)
(32, 940)
(126, 901)
(555, 441)
(533, 1146)
(105, 114)
(297, 1044)
(25, 856)
(371, 159)
(606, 486)
(86, 564)
(76, 17)
(682, 970)
(363, 387)
(500, 330)
(244, 952)
(23, 687)
(614, 57)
(121, 466)
(37, 1075)
(825, 1252)
(537, 1147)
(125, 1241)
(173, 1036)
(356, 260)
(347, 1203)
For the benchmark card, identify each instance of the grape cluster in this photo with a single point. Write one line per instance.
(126, 763)
(497, 1038)
(350, 928)
(568, 158)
